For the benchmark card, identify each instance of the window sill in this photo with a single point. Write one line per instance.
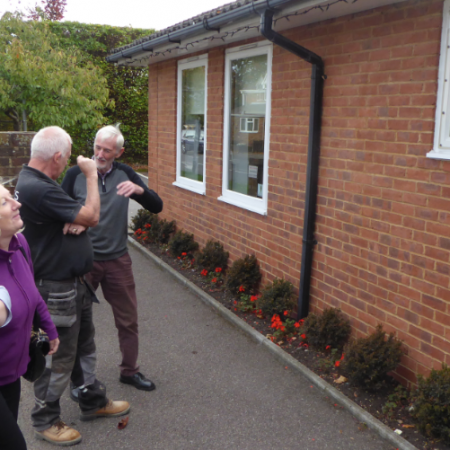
(436, 154)
(197, 189)
(258, 209)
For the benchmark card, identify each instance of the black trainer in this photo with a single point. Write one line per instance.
(138, 381)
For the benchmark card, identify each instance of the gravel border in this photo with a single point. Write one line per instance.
(356, 411)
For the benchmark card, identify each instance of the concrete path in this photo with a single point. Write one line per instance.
(216, 388)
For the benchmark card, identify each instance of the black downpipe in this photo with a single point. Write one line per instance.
(315, 118)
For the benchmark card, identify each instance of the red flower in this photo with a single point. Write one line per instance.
(147, 225)
(275, 317)
(286, 313)
(218, 269)
(327, 347)
(337, 363)
(241, 289)
(296, 325)
(204, 272)
(303, 336)
(301, 321)
(282, 328)
(253, 298)
(342, 357)
(235, 302)
(178, 257)
(184, 254)
(214, 280)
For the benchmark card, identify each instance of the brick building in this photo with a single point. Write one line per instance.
(383, 202)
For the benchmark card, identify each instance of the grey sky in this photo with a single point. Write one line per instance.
(137, 13)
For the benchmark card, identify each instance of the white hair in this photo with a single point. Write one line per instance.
(49, 141)
(111, 131)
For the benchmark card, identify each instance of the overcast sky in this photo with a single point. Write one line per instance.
(136, 13)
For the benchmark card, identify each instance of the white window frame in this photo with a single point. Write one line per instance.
(257, 205)
(248, 120)
(186, 183)
(441, 146)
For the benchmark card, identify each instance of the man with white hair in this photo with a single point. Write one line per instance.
(62, 255)
(112, 270)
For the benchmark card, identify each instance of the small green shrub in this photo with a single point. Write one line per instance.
(182, 242)
(141, 218)
(432, 404)
(276, 298)
(368, 360)
(328, 329)
(212, 256)
(244, 275)
(165, 230)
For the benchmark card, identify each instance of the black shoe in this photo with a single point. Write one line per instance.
(138, 381)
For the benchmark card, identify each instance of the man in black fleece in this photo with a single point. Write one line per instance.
(112, 263)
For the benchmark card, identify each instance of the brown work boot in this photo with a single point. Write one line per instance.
(59, 434)
(112, 409)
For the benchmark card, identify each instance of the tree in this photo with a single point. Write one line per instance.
(42, 84)
(128, 86)
(50, 10)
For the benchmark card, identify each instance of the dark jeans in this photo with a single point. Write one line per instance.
(70, 305)
(11, 438)
(116, 279)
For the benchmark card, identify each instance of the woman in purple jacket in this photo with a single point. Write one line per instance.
(19, 299)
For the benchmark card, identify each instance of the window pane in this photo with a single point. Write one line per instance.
(247, 124)
(192, 123)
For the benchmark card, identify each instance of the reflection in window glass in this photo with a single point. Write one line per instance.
(192, 131)
(247, 124)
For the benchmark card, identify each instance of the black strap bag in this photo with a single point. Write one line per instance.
(39, 348)
(39, 345)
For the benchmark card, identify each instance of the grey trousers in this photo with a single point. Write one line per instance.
(70, 305)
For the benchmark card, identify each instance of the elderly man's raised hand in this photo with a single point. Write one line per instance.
(87, 166)
(128, 188)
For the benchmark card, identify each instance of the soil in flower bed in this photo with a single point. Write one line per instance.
(372, 402)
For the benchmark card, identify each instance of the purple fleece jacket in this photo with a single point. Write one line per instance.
(16, 275)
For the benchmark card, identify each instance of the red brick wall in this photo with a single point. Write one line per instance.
(383, 222)
(14, 152)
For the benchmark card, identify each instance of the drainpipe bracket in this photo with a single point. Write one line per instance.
(310, 241)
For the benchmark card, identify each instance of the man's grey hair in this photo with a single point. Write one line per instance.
(48, 141)
(111, 131)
